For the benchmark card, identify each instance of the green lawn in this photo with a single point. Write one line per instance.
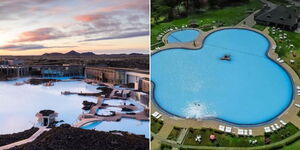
(284, 51)
(294, 146)
(227, 16)
(174, 133)
(165, 147)
(230, 140)
(223, 139)
(282, 133)
(259, 27)
(156, 125)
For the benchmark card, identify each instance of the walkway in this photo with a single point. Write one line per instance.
(93, 110)
(30, 139)
(270, 4)
(182, 135)
(249, 21)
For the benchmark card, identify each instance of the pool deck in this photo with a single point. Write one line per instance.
(289, 115)
(91, 117)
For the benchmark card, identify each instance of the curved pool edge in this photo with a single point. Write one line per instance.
(165, 37)
(270, 54)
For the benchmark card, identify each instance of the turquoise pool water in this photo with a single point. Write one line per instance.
(188, 35)
(125, 124)
(250, 89)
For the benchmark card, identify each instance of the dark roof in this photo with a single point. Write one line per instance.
(46, 112)
(279, 15)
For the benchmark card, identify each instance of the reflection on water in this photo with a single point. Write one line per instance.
(19, 104)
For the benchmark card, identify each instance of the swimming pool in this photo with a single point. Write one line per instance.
(125, 124)
(187, 35)
(250, 89)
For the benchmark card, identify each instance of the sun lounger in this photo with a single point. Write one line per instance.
(157, 117)
(282, 122)
(155, 114)
(281, 61)
(267, 129)
(240, 132)
(228, 129)
(277, 126)
(298, 87)
(222, 128)
(297, 105)
(245, 132)
(250, 132)
(273, 128)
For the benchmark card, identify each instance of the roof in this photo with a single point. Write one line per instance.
(46, 112)
(121, 69)
(279, 15)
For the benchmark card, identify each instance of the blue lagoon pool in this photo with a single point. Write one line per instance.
(187, 35)
(125, 124)
(250, 89)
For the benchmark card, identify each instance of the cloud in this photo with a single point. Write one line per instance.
(21, 47)
(121, 36)
(40, 35)
(88, 18)
(24, 47)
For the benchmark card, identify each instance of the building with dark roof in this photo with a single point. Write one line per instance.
(280, 16)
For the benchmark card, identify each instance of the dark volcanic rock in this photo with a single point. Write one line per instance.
(79, 139)
(41, 81)
(11, 138)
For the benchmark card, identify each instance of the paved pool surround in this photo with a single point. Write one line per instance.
(197, 45)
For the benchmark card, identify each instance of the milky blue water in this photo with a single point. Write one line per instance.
(19, 104)
(127, 124)
(249, 89)
(183, 36)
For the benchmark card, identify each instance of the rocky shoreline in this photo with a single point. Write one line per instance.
(70, 138)
(11, 138)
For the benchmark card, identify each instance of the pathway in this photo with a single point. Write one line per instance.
(249, 21)
(295, 3)
(181, 137)
(270, 4)
(28, 140)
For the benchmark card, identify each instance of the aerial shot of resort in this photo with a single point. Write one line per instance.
(74, 75)
(225, 74)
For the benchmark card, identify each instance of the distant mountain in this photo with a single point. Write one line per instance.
(74, 53)
(70, 53)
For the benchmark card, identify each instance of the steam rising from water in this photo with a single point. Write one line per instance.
(197, 110)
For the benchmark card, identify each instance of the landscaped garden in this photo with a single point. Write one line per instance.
(222, 139)
(281, 134)
(259, 27)
(165, 147)
(156, 125)
(230, 140)
(209, 18)
(174, 133)
(289, 48)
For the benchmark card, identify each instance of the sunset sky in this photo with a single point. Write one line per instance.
(34, 27)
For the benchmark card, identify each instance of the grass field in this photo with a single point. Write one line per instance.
(230, 140)
(227, 16)
(223, 139)
(294, 146)
(174, 133)
(259, 27)
(156, 125)
(284, 51)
